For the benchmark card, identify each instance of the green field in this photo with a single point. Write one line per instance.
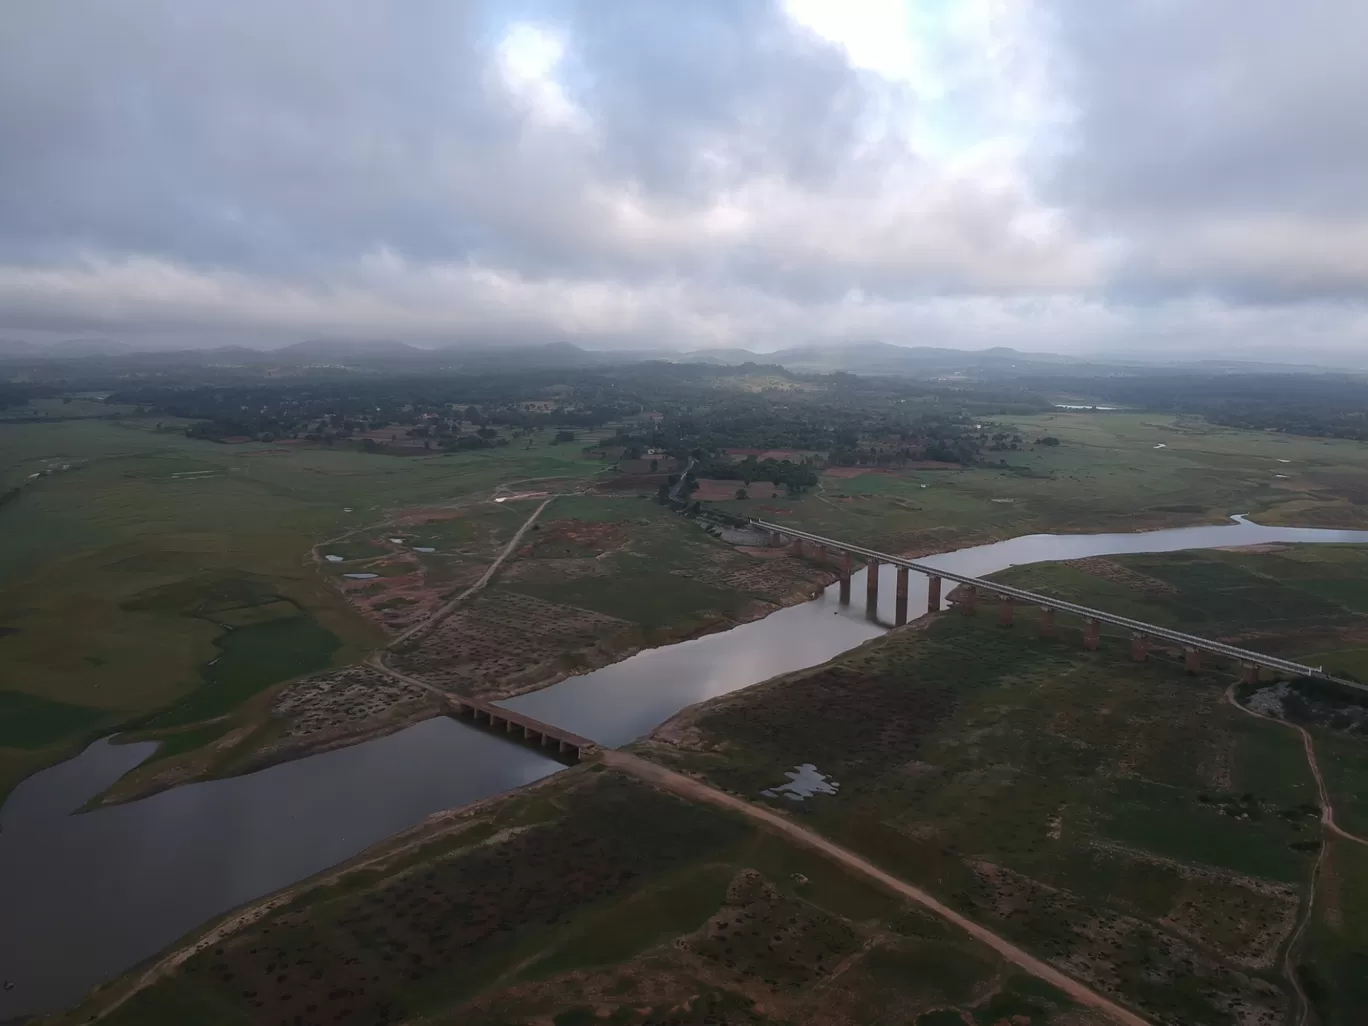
(1106, 475)
(594, 899)
(139, 512)
(1120, 820)
(640, 576)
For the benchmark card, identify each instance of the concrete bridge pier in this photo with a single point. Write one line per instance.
(1047, 622)
(1192, 661)
(933, 593)
(900, 606)
(845, 578)
(872, 589)
(1006, 611)
(1092, 635)
(1139, 648)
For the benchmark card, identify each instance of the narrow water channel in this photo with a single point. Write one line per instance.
(622, 702)
(85, 897)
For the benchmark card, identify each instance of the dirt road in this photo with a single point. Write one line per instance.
(485, 578)
(1328, 822)
(695, 790)
(1327, 809)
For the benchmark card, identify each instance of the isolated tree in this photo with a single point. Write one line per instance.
(741, 494)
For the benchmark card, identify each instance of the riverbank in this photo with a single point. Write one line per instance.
(613, 706)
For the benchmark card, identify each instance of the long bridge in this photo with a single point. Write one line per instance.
(817, 547)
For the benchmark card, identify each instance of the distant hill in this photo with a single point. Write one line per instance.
(345, 349)
(88, 347)
(15, 348)
(65, 350)
(726, 357)
(549, 355)
(881, 358)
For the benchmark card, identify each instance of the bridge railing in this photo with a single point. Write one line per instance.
(1100, 615)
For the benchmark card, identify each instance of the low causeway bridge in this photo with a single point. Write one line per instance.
(817, 547)
(556, 741)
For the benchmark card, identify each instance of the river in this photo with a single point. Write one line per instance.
(84, 897)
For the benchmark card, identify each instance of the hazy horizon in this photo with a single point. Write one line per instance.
(1110, 181)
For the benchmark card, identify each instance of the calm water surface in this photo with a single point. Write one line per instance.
(622, 702)
(84, 897)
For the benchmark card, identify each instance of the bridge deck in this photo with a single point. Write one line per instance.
(1020, 595)
(497, 713)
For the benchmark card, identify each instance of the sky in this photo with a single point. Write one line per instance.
(1169, 177)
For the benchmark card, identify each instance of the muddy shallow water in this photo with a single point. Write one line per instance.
(84, 897)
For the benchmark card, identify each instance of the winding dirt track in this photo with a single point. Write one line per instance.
(695, 790)
(1331, 827)
(485, 578)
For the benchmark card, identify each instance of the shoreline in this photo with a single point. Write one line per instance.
(597, 658)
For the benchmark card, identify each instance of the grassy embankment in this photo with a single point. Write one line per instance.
(1308, 603)
(591, 894)
(119, 575)
(1123, 821)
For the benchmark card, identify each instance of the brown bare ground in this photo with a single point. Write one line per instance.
(482, 646)
(712, 489)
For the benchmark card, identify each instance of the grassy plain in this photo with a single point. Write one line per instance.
(592, 899)
(1121, 821)
(1111, 472)
(106, 568)
(596, 578)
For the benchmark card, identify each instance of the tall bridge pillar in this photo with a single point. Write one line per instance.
(1092, 635)
(872, 589)
(1139, 648)
(933, 593)
(1006, 610)
(1047, 622)
(900, 607)
(1192, 661)
(845, 578)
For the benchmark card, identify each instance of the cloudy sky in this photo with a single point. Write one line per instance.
(1063, 175)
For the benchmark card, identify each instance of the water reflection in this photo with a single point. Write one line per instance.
(84, 897)
(622, 702)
